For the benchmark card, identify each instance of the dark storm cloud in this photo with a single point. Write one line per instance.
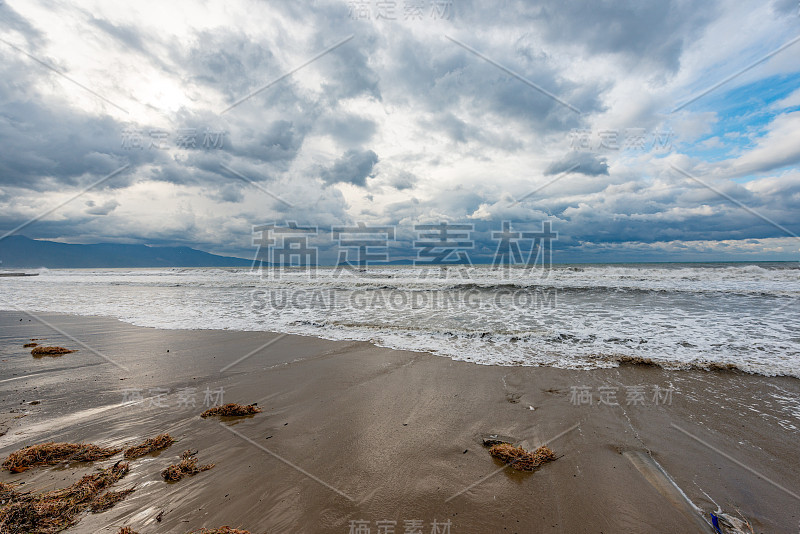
(102, 209)
(440, 77)
(47, 144)
(277, 142)
(685, 211)
(346, 128)
(455, 127)
(229, 193)
(403, 180)
(347, 71)
(354, 167)
(587, 163)
(232, 63)
(644, 33)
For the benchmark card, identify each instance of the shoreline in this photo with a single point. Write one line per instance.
(397, 434)
(583, 319)
(620, 359)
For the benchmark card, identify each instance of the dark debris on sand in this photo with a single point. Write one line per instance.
(54, 511)
(160, 442)
(496, 439)
(50, 351)
(520, 459)
(52, 453)
(186, 467)
(231, 409)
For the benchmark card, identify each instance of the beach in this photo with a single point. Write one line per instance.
(353, 434)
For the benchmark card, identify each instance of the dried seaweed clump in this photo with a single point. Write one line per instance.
(231, 409)
(54, 511)
(29, 345)
(186, 467)
(519, 458)
(52, 453)
(50, 351)
(109, 499)
(127, 530)
(7, 493)
(162, 441)
(220, 530)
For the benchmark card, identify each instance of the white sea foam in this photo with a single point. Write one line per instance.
(576, 317)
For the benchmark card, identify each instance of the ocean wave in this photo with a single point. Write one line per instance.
(707, 317)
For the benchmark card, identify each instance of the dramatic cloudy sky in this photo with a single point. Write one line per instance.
(594, 115)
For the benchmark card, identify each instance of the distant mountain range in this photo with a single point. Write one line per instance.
(18, 252)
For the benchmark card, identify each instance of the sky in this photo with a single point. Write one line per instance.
(642, 130)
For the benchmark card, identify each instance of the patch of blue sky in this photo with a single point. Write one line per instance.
(743, 115)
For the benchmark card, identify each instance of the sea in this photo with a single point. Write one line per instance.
(677, 315)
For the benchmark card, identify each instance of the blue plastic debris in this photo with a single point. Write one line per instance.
(715, 522)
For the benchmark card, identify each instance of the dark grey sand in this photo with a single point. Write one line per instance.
(354, 432)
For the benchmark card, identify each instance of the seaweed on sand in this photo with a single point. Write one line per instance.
(7, 493)
(127, 530)
(54, 511)
(520, 459)
(162, 441)
(52, 453)
(186, 467)
(109, 499)
(50, 351)
(231, 409)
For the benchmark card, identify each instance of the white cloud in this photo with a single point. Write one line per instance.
(778, 148)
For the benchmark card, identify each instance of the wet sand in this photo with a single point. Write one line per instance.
(352, 432)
